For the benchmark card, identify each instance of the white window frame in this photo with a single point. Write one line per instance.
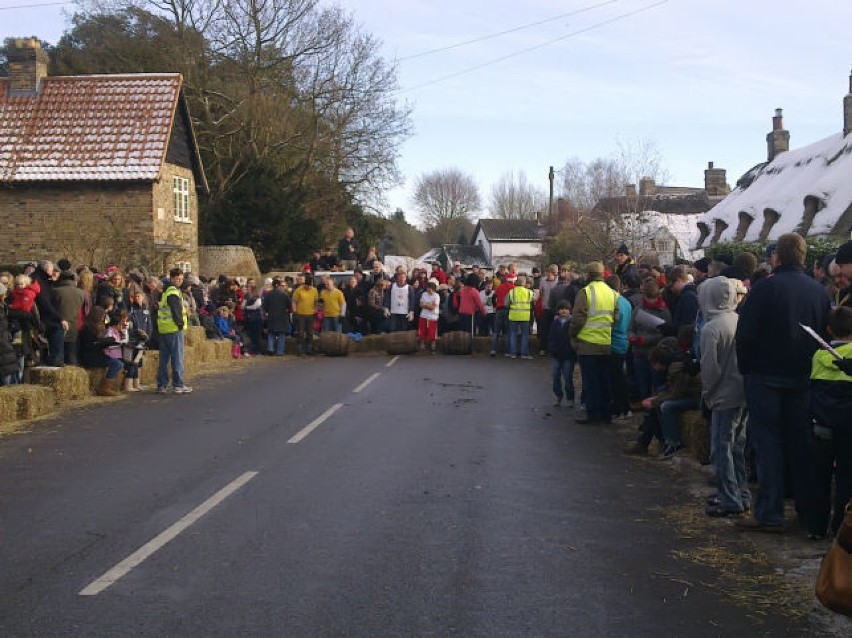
(185, 266)
(180, 199)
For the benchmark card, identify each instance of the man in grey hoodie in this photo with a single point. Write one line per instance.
(724, 393)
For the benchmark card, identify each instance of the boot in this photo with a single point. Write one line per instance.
(137, 385)
(129, 386)
(107, 388)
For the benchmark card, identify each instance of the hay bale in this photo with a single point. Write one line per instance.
(22, 402)
(96, 376)
(695, 432)
(194, 335)
(69, 383)
(148, 371)
(456, 342)
(190, 358)
(221, 349)
(333, 344)
(404, 342)
(206, 351)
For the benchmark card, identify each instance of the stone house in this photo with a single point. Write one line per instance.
(504, 241)
(806, 190)
(101, 169)
(659, 223)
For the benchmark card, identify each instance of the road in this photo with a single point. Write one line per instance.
(364, 496)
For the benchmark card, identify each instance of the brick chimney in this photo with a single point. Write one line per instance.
(715, 181)
(27, 66)
(847, 110)
(647, 187)
(630, 191)
(778, 141)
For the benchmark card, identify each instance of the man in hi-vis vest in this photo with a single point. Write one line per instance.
(171, 324)
(595, 311)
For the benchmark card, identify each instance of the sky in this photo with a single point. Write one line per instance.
(699, 79)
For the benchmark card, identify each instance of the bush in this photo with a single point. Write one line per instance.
(818, 248)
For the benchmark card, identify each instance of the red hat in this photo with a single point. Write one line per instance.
(511, 277)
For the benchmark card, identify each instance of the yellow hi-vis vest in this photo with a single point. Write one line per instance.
(600, 304)
(822, 368)
(165, 321)
(520, 303)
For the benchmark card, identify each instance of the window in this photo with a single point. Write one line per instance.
(180, 192)
(185, 266)
(664, 245)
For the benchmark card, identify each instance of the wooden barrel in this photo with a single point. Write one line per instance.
(456, 342)
(333, 344)
(404, 342)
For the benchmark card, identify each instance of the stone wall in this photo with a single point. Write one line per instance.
(100, 224)
(234, 261)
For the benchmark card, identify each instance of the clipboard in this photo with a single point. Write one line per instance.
(822, 342)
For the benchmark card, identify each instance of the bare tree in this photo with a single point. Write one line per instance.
(445, 198)
(515, 197)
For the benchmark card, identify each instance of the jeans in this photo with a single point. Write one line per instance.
(618, 382)
(332, 324)
(254, 328)
(275, 342)
(501, 325)
(729, 432)
(70, 348)
(524, 327)
(398, 323)
(171, 350)
(596, 390)
(544, 329)
(669, 413)
(643, 374)
(114, 368)
(55, 346)
(779, 426)
(563, 378)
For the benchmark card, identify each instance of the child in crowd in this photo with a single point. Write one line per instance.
(562, 356)
(121, 348)
(24, 293)
(831, 405)
(681, 393)
(319, 317)
(427, 326)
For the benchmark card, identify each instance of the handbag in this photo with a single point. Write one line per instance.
(834, 580)
(236, 351)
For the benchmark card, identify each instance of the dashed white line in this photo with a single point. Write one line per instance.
(313, 425)
(156, 543)
(367, 382)
(392, 361)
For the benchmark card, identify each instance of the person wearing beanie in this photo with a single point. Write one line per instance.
(843, 258)
(595, 312)
(625, 264)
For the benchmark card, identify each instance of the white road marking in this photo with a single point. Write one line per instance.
(313, 425)
(156, 543)
(367, 382)
(392, 361)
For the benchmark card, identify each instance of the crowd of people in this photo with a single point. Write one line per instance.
(729, 337)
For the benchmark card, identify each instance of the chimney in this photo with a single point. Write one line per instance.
(778, 141)
(647, 187)
(27, 66)
(715, 181)
(630, 191)
(847, 110)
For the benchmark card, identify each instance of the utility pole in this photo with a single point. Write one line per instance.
(550, 176)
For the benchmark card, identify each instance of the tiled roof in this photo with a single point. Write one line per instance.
(465, 255)
(93, 127)
(510, 229)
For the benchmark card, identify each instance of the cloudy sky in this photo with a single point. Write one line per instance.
(700, 79)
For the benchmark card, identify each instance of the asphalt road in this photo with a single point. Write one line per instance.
(444, 497)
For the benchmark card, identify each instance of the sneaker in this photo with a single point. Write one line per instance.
(508, 356)
(717, 511)
(557, 403)
(714, 501)
(669, 450)
(184, 389)
(541, 353)
(569, 404)
(162, 390)
(526, 356)
(513, 356)
(493, 353)
(754, 525)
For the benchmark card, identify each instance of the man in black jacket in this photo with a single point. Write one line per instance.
(774, 355)
(54, 326)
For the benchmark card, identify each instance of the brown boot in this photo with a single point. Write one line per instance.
(107, 388)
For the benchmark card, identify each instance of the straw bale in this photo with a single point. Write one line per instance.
(696, 434)
(96, 375)
(24, 401)
(221, 349)
(194, 335)
(190, 358)
(69, 383)
(206, 351)
(148, 371)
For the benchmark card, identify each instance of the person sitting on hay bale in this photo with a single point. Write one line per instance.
(93, 343)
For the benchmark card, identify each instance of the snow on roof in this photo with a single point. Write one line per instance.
(94, 127)
(645, 226)
(822, 170)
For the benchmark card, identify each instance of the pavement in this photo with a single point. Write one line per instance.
(372, 496)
